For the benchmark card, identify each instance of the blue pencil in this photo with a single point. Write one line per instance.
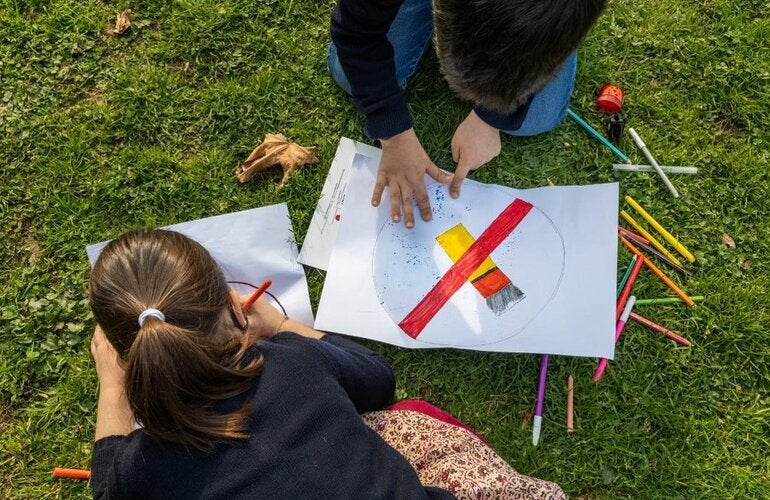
(598, 136)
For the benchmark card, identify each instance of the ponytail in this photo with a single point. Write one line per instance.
(174, 377)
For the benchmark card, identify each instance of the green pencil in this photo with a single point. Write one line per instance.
(598, 136)
(625, 276)
(667, 300)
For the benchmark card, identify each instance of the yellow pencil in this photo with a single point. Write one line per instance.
(666, 235)
(665, 279)
(643, 232)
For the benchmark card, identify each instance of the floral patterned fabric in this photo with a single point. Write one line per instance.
(451, 457)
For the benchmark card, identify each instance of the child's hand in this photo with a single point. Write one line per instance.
(108, 368)
(264, 319)
(402, 169)
(474, 144)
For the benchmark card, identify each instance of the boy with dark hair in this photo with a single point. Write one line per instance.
(515, 60)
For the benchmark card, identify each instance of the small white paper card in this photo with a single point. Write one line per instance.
(322, 232)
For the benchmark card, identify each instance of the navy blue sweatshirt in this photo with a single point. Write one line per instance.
(308, 439)
(359, 30)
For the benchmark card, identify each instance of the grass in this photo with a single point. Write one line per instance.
(101, 133)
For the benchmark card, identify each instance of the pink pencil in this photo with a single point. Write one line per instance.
(618, 331)
(660, 329)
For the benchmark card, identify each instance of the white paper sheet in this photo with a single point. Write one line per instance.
(322, 232)
(562, 255)
(251, 246)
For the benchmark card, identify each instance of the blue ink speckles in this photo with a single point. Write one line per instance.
(439, 196)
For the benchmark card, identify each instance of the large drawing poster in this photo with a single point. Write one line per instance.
(498, 269)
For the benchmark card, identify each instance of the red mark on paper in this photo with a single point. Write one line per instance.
(453, 279)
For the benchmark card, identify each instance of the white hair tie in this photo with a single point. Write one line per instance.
(150, 313)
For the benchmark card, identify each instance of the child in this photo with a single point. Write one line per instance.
(233, 403)
(515, 60)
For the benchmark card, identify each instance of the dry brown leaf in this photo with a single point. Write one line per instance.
(276, 149)
(746, 264)
(727, 240)
(123, 22)
(293, 158)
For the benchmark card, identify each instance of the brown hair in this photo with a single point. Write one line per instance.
(177, 369)
(498, 53)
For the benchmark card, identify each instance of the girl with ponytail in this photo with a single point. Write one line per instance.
(201, 399)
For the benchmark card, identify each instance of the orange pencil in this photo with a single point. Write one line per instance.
(570, 403)
(257, 293)
(71, 473)
(687, 300)
(660, 329)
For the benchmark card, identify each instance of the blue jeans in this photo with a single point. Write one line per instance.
(410, 35)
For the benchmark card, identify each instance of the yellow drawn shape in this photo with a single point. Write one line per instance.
(455, 242)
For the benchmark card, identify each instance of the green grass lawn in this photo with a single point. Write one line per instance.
(101, 133)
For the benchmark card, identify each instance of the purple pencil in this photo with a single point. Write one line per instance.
(538, 420)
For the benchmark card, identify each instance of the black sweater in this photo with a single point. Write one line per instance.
(308, 439)
(359, 30)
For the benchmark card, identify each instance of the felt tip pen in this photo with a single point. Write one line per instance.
(537, 423)
(660, 229)
(602, 366)
(648, 168)
(643, 147)
(596, 135)
(257, 293)
(71, 473)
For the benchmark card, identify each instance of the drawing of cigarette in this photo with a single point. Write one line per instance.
(488, 279)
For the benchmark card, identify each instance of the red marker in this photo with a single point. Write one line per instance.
(71, 473)
(257, 293)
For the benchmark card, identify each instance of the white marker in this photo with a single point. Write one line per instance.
(640, 144)
(622, 167)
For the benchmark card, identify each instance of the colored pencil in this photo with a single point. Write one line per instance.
(646, 152)
(625, 275)
(627, 217)
(629, 284)
(661, 257)
(599, 137)
(538, 420)
(631, 234)
(665, 279)
(257, 293)
(660, 329)
(660, 229)
(570, 404)
(649, 168)
(667, 300)
(71, 473)
(602, 366)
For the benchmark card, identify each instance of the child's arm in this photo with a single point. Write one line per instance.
(364, 374)
(265, 321)
(113, 413)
